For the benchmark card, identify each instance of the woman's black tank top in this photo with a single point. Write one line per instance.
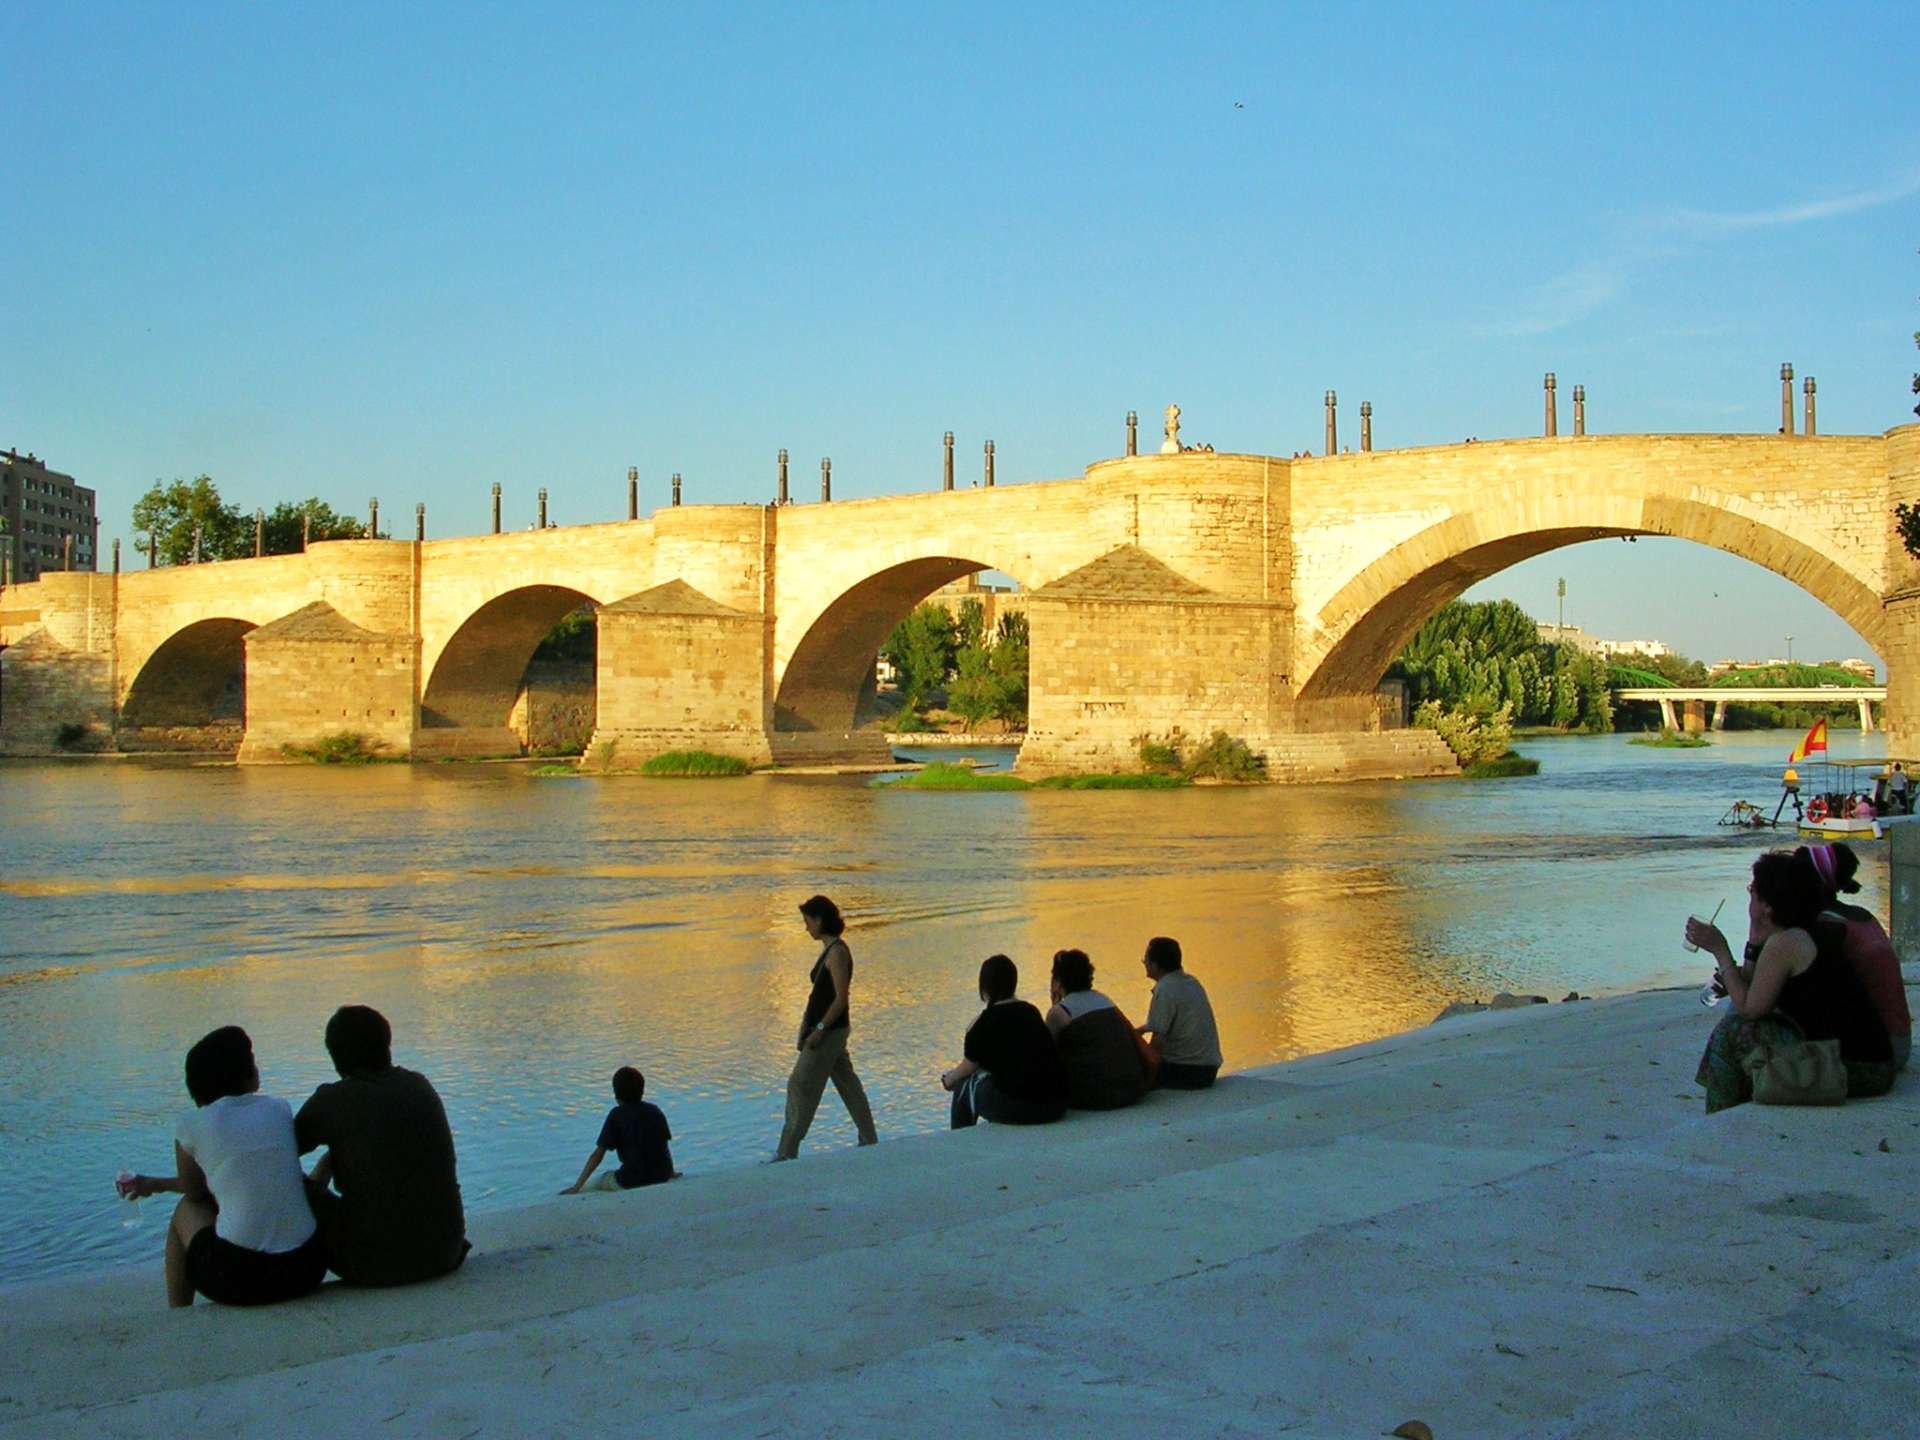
(1827, 1002)
(822, 995)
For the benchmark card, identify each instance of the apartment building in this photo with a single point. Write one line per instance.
(42, 510)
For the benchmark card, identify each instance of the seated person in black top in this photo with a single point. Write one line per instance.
(635, 1131)
(396, 1217)
(1012, 1074)
(1108, 1065)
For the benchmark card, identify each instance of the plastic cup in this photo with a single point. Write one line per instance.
(1686, 944)
(123, 1185)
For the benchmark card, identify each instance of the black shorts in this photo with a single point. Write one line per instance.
(1186, 1077)
(230, 1274)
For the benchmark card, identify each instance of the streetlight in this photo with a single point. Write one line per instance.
(1789, 649)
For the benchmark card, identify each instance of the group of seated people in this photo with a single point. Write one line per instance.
(1816, 967)
(1021, 1069)
(380, 1207)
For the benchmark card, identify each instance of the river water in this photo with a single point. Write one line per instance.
(526, 935)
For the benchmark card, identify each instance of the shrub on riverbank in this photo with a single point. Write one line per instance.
(348, 747)
(1508, 764)
(694, 765)
(1225, 757)
(1474, 739)
(1672, 739)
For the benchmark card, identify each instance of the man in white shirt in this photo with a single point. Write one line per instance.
(1180, 1025)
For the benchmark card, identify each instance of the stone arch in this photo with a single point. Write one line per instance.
(831, 669)
(191, 692)
(476, 679)
(1356, 634)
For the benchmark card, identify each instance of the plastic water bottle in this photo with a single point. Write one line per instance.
(123, 1183)
(1712, 993)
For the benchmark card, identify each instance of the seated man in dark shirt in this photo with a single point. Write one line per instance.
(635, 1131)
(396, 1217)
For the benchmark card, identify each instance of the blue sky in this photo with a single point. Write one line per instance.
(410, 251)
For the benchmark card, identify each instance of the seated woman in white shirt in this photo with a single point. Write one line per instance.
(243, 1233)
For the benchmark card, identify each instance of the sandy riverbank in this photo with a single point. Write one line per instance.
(1515, 1223)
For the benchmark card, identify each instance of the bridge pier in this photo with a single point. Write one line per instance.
(1720, 713)
(1866, 717)
(1668, 719)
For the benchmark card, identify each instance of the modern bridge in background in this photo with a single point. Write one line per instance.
(1695, 700)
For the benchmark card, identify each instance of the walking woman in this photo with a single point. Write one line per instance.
(822, 1041)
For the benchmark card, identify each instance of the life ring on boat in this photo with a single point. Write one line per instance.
(1817, 809)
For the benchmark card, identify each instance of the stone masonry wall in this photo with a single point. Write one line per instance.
(1121, 670)
(299, 692)
(676, 682)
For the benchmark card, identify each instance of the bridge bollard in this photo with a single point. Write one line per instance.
(196, 544)
(1807, 387)
(1786, 399)
(1366, 426)
(66, 553)
(1579, 409)
(543, 508)
(259, 533)
(1133, 433)
(633, 492)
(1333, 424)
(373, 518)
(306, 529)
(116, 556)
(989, 475)
(946, 464)
(676, 487)
(826, 478)
(496, 507)
(419, 521)
(782, 496)
(1553, 406)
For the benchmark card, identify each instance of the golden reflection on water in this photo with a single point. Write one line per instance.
(526, 936)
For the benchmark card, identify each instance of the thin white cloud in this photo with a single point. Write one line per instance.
(1722, 222)
(1580, 291)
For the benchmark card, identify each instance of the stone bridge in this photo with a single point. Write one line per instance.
(1168, 593)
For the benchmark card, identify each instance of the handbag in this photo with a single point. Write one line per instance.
(1798, 1072)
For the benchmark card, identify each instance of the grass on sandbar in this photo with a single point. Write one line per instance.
(694, 764)
(965, 777)
(958, 777)
(1130, 781)
(1671, 739)
(1508, 764)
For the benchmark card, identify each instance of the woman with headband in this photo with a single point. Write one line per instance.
(1866, 945)
(1799, 986)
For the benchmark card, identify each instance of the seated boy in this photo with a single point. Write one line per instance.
(637, 1132)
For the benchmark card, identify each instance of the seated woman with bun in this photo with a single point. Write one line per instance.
(243, 1232)
(1012, 1074)
(1799, 986)
(1108, 1065)
(1865, 944)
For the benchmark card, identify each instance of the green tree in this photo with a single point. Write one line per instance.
(282, 526)
(970, 632)
(920, 649)
(169, 513)
(1011, 655)
(974, 691)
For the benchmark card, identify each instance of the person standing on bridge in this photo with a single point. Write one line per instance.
(824, 1030)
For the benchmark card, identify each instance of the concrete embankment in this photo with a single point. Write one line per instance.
(1511, 1224)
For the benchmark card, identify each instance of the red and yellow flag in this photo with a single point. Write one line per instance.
(1815, 739)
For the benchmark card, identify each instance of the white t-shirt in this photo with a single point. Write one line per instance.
(245, 1145)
